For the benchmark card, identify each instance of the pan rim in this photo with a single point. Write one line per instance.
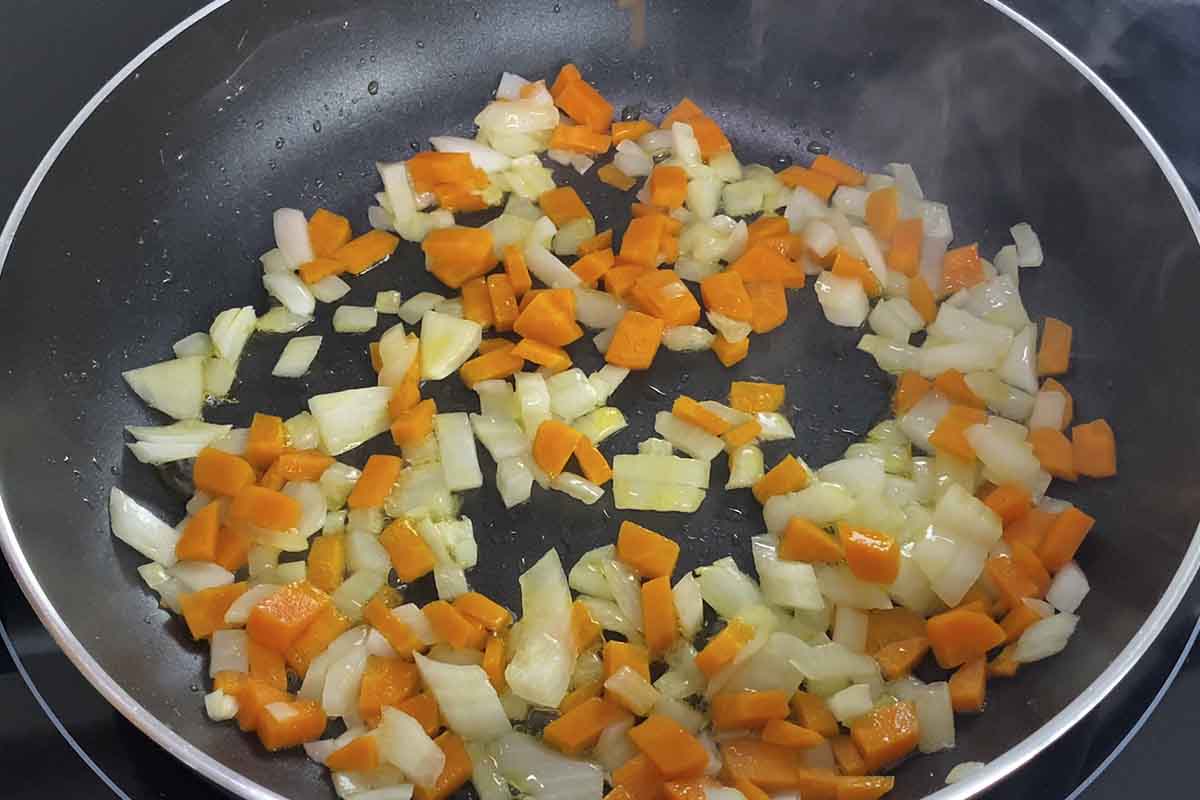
(210, 768)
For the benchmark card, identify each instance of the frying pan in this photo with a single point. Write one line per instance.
(146, 216)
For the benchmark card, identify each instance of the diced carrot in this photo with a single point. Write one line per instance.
(584, 104)
(789, 734)
(1094, 449)
(847, 755)
(361, 754)
(846, 266)
(613, 176)
(710, 137)
(450, 626)
(200, 535)
(204, 611)
(755, 396)
(863, 787)
(660, 293)
(428, 169)
(910, 388)
(750, 791)
(1030, 529)
(552, 358)
(659, 619)
(266, 665)
(624, 654)
(579, 139)
(649, 554)
(840, 171)
(1054, 354)
(229, 682)
(643, 240)
(812, 712)
(1051, 385)
(455, 773)
(233, 548)
(319, 269)
(768, 303)
(317, 636)
(761, 262)
(253, 697)
(498, 363)
(765, 228)
(568, 74)
(412, 426)
(904, 255)
(219, 473)
(493, 344)
(873, 556)
(724, 647)
(921, 297)
(407, 395)
(279, 619)
(730, 353)
(748, 709)
(378, 477)
(327, 232)
(592, 462)
(886, 735)
(1004, 665)
(265, 441)
(265, 508)
(691, 789)
(456, 255)
(550, 317)
(601, 241)
(327, 562)
(494, 662)
(692, 412)
(900, 658)
(961, 269)
(363, 252)
(516, 270)
(674, 751)
(1027, 561)
(553, 445)
(1064, 537)
(580, 695)
(951, 432)
(477, 303)
(578, 729)
(968, 686)
(685, 110)
(1017, 620)
(619, 280)
(725, 293)
(635, 341)
(823, 186)
(637, 779)
(770, 767)
(378, 614)
(1011, 583)
(1010, 501)
(483, 610)
(958, 636)
(883, 211)
(563, 205)
(591, 267)
(804, 541)
(741, 435)
(585, 631)
(302, 465)
(631, 129)
(424, 709)
(410, 555)
(668, 186)
(1055, 452)
(887, 626)
(789, 475)
(953, 385)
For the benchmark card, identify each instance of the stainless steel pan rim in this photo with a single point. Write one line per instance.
(234, 782)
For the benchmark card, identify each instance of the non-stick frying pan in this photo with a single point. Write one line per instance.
(147, 215)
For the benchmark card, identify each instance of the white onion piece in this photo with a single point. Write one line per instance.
(540, 669)
(606, 380)
(891, 356)
(789, 584)
(496, 399)
(731, 329)
(291, 236)
(275, 261)
(446, 343)
(174, 387)
(533, 400)
(850, 629)
(962, 771)
(842, 588)
(404, 743)
(466, 699)
(279, 320)
(822, 503)
(631, 159)
(1005, 400)
(635, 691)
(727, 589)
(1006, 459)
(196, 576)
(1049, 410)
(339, 695)
(219, 706)
(1045, 638)
(510, 86)
(355, 319)
(571, 394)
(1029, 247)
(842, 299)
(482, 156)
(1019, 366)
(460, 461)
(537, 771)
(851, 201)
(348, 418)
(514, 481)
(547, 268)
(356, 591)
(1068, 588)
(596, 309)
(413, 309)
(687, 338)
(297, 356)
(137, 527)
(851, 703)
(330, 289)
(196, 344)
(745, 467)
(896, 319)
(689, 605)
(228, 651)
(614, 747)
(577, 486)
(502, 438)
(906, 179)
(689, 438)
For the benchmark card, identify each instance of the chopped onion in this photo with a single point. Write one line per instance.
(514, 480)
(421, 492)
(1068, 588)
(742, 198)
(540, 669)
(239, 611)
(790, 584)
(1045, 638)
(413, 309)
(892, 356)
(963, 515)
(228, 651)
(821, 503)
(533, 400)
(704, 196)
(343, 679)
(219, 706)
(614, 747)
(297, 356)
(607, 380)
(279, 320)
(275, 261)
(291, 236)
(634, 691)
(174, 442)
(851, 703)
(631, 159)
(596, 309)
(355, 319)
(174, 387)
(842, 299)
(482, 156)
(502, 438)
(496, 399)
(851, 201)
(689, 605)
(919, 423)
(906, 180)
(196, 344)
(1049, 410)
(731, 329)
(842, 588)
(356, 591)
(935, 718)
(850, 628)
(466, 699)
(577, 487)
(1019, 366)
(460, 461)
(538, 771)
(609, 617)
(568, 238)
(446, 343)
(687, 338)
(745, 467)
(896, 319)
(625, 589)
(404, 743)
(547, 268)
(140, 529)
(962, 771)
(292, 292)
(689, 438)
(1029, 247)
(571, 395)
(330, 289)
(1001, 398)
(348, 418)
(727, 589)
(196, 576)
(602, 339)
(656, 142)
(587, 576)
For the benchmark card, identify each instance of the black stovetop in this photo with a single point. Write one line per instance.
(60, 739)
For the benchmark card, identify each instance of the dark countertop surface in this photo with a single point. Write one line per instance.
(58, 54)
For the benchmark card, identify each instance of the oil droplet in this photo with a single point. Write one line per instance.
(477, 16)
(414, 144)
(816, 84)
(827, 132)
(817, 149)
(317, 125)
(258, 125)
(373, 87)
(279, 143)
(420, 45)
(557, 8)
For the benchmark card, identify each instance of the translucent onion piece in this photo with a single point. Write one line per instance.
(297, 356)
(348, 418)
(174, 387)
(140, 529)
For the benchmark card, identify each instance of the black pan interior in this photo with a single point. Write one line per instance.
(151, 220)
